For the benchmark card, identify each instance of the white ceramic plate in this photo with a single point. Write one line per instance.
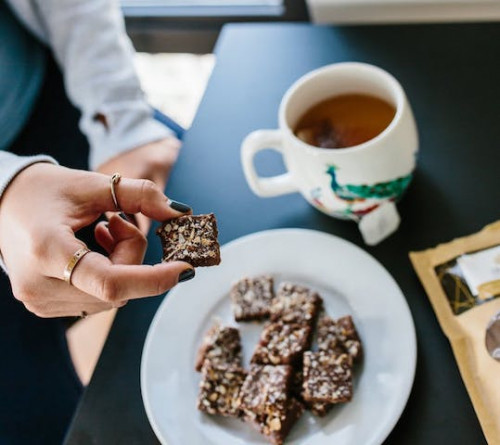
(350, 282)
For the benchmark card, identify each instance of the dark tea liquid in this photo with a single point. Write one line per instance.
(344, 121)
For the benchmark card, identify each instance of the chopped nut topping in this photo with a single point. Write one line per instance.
(251, 298)
(327, 377)
(295, 304)
(191, 238)
(218, 393)
(282, 344)
(221, 344)
(348, 337)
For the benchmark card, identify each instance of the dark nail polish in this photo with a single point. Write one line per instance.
(179, 206)
(186, 275)
(129, 217)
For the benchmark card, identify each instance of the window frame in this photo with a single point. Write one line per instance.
(154, 28)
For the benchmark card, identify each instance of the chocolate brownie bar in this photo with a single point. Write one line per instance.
(327, 377)
(348, 337)
(327, 335)
(282, 344)
(220, 345)
(295, 304)
(328, 342)
(191, 238)
(266, 388)
(266, 401)
(220, 389)
(278, 427)
(251, 298)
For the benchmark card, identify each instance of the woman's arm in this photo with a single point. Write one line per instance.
(89, 42)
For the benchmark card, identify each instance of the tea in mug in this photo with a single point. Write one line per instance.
(344, 121)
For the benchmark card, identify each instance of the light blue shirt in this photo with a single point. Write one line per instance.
(22, 67)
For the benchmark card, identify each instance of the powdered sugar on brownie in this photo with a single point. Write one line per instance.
(282, 343)
(295, 304)
(251, 298)
(220, 345)
(327, 377)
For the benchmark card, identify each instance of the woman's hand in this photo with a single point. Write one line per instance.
(152, 161)
(40, 212)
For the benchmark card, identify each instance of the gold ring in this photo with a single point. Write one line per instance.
(115, 179)
(77, 256)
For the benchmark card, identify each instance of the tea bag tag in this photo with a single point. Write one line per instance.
(379, 223)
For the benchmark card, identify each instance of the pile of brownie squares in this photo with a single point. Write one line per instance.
(286, 375)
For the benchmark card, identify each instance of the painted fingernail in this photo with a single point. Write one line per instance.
(186, 275)
(179, 206)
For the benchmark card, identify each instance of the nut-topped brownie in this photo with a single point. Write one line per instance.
(220, 389)
(282, 344)
(191, 238)
(220, 345)
(266, 388)
(327, 377)
(251, 298)
(348, 337)
(266, 401)
(327, 335)
(277, 428)
(295, 304)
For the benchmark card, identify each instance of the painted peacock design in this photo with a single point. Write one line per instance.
(355, 192)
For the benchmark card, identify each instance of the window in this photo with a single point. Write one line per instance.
(193, 25)
(203, 7)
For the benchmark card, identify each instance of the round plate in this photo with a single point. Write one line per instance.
(350, 282)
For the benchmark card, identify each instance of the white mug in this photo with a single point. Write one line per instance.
(362, 182)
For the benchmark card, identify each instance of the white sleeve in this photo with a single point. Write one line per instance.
(11, 165)
(89, 42)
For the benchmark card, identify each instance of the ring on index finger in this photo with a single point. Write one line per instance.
(73, 261)
(115, 179)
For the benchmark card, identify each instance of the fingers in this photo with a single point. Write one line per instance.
(117, 278)
(98, 276)
(123, 241)
(133, 196)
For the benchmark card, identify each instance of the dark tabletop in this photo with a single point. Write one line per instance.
(451, 76)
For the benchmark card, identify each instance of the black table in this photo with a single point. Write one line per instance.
(450, 74)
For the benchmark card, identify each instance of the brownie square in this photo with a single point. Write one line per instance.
(277, 428)
(348, 337)
(282, 344)
(327, 335)
(191, 238)
(266, 389)
(266, 401)
(327, 377)
(220, 345)
(295, 304)
(251, 298)
(220, 389)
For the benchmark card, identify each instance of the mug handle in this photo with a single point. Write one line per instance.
(274, 185)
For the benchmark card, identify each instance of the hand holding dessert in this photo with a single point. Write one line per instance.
(41, 210)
